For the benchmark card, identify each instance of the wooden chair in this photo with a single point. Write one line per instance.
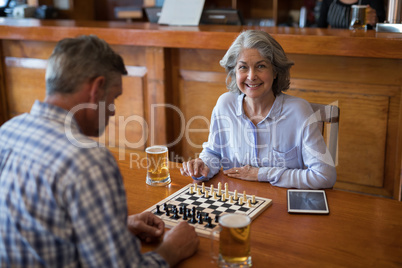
(328, 119)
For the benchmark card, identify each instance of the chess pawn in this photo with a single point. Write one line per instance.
(236, 197)
(214, 196)
(241, 201)
(253, 199)
(223, 199)
(191, 190)
(199, 191)
(206, 194)
(231, 199)
(249, 203)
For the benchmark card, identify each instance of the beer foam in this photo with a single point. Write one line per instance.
(234, 220)
(156, 149)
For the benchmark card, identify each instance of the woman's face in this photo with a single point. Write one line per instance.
(254, 74)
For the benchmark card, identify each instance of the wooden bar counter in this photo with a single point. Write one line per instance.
(175, 79)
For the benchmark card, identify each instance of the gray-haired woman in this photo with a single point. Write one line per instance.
(257, 132)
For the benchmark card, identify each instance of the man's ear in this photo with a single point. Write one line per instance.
(97, 92)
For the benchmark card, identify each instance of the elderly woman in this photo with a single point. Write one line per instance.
(257, 132)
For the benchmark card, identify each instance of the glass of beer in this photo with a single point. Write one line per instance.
(157, 165)
(234, 240)
(358, 18)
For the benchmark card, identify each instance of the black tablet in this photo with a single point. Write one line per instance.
(307, 201)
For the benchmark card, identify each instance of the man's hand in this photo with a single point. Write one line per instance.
(179, 243)
(146, 226)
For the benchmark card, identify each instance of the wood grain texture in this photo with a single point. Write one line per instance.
(294, 40)
(359, 231)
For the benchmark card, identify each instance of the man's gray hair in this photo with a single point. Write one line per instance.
(77, 60)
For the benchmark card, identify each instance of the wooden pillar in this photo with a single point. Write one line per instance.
(154, 96)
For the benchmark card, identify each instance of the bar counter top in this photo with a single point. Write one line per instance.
(311, 41)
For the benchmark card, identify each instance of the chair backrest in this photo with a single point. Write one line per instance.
(328, 119)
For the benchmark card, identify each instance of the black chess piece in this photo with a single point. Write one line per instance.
(158, 211)
(185, 216)
(209, 220)
(175, 215)
(217, 218)
(167, 212)
(193, 220)
(206, 216)
(200, 220)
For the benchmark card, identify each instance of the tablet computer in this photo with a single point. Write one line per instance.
(307, 201)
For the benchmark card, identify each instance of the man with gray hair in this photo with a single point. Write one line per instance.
(63, 204)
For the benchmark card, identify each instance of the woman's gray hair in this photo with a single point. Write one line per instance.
(77, 60)
(269, 49)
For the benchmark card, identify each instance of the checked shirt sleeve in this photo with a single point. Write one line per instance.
(98, 212)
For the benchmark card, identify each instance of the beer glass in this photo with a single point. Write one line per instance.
(157, 165)
(234, 240)
(358, 18)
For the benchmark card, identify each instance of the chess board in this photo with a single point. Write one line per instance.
(211, 207)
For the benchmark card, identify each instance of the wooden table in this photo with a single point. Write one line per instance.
(360, 231)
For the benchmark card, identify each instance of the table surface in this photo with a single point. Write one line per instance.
(360, 230)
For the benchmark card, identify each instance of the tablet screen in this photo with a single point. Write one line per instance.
(307, 201)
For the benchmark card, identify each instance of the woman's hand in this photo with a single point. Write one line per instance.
(247, 173)
(194, 168)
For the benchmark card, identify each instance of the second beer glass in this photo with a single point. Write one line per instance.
(158, 165)
(234, 241)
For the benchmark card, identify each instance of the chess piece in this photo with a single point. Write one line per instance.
(158, 210)
(236, 197)
(206, 216)
(175, 215)
(193, 220)
(217, 218)
(209, 225)
(203, 187)
(253, 201)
